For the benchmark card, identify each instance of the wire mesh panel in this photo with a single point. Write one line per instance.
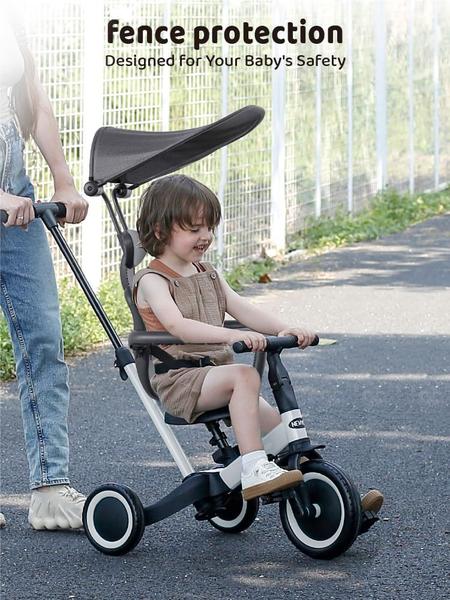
(333, 161)
(317, 130)
(132, 99)
(195, 98)
(442, 8)
(364, 134)
(423, 96)
(55, 37)
(300, 127)
(247, 196)
(400, 25)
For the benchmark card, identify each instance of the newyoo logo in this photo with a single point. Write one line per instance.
(296, 423)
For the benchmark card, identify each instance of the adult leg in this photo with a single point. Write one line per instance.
(30, 303)
(29, 299)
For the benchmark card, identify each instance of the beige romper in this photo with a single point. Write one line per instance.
(199, 297)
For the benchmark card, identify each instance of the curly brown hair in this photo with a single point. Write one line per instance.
(174, 200)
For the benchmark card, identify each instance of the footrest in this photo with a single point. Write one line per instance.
(207, 417)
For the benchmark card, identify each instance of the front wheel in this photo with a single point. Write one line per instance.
(335, 525)
(237, 515)
(113, 518)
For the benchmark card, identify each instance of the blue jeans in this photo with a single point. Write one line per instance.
(29, 300)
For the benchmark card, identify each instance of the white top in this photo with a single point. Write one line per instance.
(11, 60)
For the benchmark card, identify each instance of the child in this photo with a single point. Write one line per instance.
(188, 298)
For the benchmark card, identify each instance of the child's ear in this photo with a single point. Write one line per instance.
(157, 231)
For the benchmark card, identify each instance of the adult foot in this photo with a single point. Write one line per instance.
(56, 507)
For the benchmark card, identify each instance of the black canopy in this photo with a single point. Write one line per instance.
(135, 157)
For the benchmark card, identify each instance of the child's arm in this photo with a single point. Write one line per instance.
(153, 291)
(250, 315)
(260, 320)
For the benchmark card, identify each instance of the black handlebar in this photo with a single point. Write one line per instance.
(274, 343)
(57, 208)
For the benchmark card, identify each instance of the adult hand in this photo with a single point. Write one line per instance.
(20, 210)
(305, 336)
(76, 205)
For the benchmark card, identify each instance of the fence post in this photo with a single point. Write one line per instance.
(380, 93)
(318, 193)
(165, 73)
(278, 187)
(91, 231)
(224, 150)
(350, 106)
(411, 93)
(436, 92)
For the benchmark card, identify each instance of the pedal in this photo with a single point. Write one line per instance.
(225, 456)
(369, 519)
(277, 496)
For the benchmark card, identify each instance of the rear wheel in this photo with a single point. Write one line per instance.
(113, 518)
(335, 525)
(237, 515)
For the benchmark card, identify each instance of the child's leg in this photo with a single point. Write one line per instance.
(238, 386)
(269, 417)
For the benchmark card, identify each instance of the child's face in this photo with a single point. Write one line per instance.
(190, 244)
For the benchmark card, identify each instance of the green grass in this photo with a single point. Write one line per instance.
(388, 212)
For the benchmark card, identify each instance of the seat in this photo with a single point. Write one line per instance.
(211, 415)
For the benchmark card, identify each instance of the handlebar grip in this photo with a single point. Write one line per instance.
(274, 343)
(57, 208)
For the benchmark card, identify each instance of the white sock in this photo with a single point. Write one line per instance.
(250, 459)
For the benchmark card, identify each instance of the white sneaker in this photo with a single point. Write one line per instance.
(57, 507)
(2, 520)
(267, 477)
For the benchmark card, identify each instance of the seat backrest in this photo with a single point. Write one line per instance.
(133, 255)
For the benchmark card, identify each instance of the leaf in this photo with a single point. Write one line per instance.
(265, 278)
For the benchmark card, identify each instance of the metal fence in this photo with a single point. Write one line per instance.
(331, 138)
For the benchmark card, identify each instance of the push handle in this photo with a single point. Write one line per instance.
(58, 209)
(274, 343)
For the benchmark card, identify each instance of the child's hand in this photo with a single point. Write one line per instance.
(255, 341)
(305, 337)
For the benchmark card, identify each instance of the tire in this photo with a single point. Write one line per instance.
(336, 527)
(238, 514)
(113, 518)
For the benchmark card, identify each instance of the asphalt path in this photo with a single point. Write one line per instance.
(378, 398)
